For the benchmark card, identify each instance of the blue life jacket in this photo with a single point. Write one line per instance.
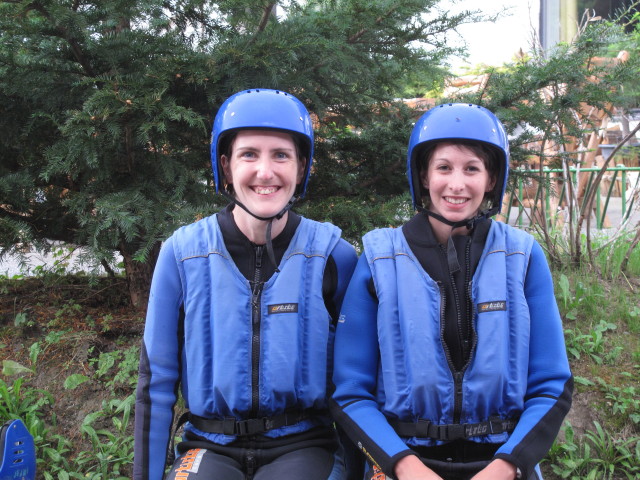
(415, 379)
(247, 356)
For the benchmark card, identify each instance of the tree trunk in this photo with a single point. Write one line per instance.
(139, 275)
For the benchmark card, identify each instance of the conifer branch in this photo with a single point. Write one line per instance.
(266, 13)
(63, 33)
(357, 36)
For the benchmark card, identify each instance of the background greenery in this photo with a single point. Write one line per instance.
(106, 109)
(70, 346)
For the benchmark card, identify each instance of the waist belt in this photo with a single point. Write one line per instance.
(454, 431)
(250, 426)
(232, 426)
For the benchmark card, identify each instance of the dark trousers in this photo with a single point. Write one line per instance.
(313, 455)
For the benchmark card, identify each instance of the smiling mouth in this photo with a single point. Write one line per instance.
(265, 190)
(456, 201)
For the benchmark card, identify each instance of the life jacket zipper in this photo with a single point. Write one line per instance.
(467, 329)
(255, 332)
(472, 324)
(443, 301)
(459, 326)
(457, 375)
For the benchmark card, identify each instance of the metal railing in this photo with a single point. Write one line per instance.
(628, 194)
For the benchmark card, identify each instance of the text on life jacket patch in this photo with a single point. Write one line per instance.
(495, 306)
(283, 308)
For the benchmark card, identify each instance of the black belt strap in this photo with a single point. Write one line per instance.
(250, 426)
(454, 431)
(232, 426)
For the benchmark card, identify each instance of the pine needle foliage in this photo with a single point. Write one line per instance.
(106, 108)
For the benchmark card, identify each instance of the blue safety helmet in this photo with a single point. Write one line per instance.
(459, 121)
(262, 109)
(17, 452)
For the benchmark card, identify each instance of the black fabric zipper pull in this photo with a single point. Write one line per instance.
(452, 256)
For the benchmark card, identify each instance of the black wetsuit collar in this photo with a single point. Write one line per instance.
(242, 249)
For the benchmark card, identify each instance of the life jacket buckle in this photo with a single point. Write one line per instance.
(451, 432)
(252, 426)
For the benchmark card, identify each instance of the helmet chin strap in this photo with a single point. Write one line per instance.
(277, 216)
(452, 254)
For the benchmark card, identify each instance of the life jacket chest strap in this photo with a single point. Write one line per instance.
(454, 431)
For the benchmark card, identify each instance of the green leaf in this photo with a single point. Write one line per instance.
(75, 380)
(9, 367)
(583, 381)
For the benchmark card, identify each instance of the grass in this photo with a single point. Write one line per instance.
(66, 338)
(70, 349)
(600, 306)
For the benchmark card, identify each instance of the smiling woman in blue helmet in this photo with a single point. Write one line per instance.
(242, 314)
(450, 360)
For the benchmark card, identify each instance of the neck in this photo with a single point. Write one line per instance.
(442, 231)
(256, 230)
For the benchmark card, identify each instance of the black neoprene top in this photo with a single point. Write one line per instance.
(458, 334)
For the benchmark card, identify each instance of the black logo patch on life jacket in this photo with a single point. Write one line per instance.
(283, 308)
(495, 306)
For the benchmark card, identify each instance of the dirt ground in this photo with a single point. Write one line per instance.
(97, 318)
(73, 323)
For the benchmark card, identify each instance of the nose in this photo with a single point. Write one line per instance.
(456, 181)
(264, 169)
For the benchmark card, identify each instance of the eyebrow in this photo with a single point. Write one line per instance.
(256, 149)
(446, 159)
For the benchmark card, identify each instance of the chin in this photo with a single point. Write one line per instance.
(267, 213)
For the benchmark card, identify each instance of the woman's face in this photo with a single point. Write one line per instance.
(457, 180)
(264, 169)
